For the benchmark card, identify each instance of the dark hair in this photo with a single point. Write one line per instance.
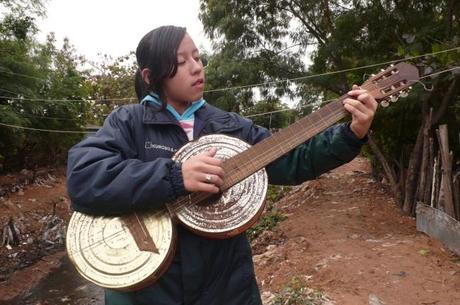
(157, 51)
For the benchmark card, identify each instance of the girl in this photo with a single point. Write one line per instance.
(127, 166)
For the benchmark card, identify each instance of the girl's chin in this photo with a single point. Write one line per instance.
(196, 97)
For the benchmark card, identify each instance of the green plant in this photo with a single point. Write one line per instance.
(272, 216)
(267, 222)
(297, 292)
(276, 192)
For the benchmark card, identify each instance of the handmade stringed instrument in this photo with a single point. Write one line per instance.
(133, 251)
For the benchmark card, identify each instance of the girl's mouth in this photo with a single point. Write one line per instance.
(198, 82)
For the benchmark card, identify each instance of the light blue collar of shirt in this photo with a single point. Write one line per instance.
(188, 114)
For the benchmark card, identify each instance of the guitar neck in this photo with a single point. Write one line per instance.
(263, 153)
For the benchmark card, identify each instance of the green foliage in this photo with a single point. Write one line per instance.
(276, 116)
(31, 75)
(267, 222)
(275, 193)
(114, 78)
(272, 37)
(297, 292)
(244, 57)
(272, 217)
(50, 88)
(111, 82)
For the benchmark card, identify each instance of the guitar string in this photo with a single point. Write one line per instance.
(182, 200)
(333, 115)
(369, 87)
(203, 196)
(267, 157)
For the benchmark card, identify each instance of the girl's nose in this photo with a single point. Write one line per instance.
(197, 66)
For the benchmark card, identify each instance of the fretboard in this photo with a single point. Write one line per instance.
(263, 153)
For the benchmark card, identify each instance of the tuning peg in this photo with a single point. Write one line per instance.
(382, 70)
(403, 94)
(384, 103)
(393, 98)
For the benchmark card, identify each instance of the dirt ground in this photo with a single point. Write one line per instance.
(38, 212)
(343, 236)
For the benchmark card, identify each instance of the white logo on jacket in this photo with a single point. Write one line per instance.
(150, 145)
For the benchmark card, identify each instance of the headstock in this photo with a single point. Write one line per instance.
(391, 83)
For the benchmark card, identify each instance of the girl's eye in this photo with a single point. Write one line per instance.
(181, 62)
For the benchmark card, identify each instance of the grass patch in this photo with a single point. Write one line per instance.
(297, 292)
(267, 222)
(272, 216)
(276, 193)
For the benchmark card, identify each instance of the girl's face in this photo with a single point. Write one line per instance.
(187, 84)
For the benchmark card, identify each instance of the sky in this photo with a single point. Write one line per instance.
(116, 27)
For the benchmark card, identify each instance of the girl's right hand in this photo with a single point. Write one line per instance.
(203, 173)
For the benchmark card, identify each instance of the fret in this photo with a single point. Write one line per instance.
(263, 153)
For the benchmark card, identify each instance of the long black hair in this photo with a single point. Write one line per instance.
(157, 51)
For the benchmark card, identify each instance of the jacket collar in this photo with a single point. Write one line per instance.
(208, 119)
(154, 115)
(189, 113)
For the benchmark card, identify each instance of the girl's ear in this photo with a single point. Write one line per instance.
(145, 73)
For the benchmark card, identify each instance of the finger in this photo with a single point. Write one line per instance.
(207, 187)
(211, 152)
(366, 105)
(214, 170)
(356, 108)
(214, 179)
(368, 100)
(358, 116)
(211, 160)
(355, 104)
(356, 92)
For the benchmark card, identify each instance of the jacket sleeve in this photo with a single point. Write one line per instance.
(333, 147)
(105, 176)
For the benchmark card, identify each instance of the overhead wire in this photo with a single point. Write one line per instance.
(263, 83)
(46, 130)
(270, 112)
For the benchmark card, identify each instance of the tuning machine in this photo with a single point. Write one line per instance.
(385, 103)
(405, 93)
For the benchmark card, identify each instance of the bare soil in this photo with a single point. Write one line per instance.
(343, 235)
(33, 208)
(346, 237)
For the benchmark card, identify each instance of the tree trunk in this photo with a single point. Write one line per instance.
(437, 180)
(456, 192)
(389, 172)
(429, 181)
(411, 178)
(446, 181)
(402, 178)
(415, 157)
(424, 168)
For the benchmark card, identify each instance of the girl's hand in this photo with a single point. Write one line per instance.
(203, 173)
(362, 108)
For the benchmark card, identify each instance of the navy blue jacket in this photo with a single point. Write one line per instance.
(127, 166)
